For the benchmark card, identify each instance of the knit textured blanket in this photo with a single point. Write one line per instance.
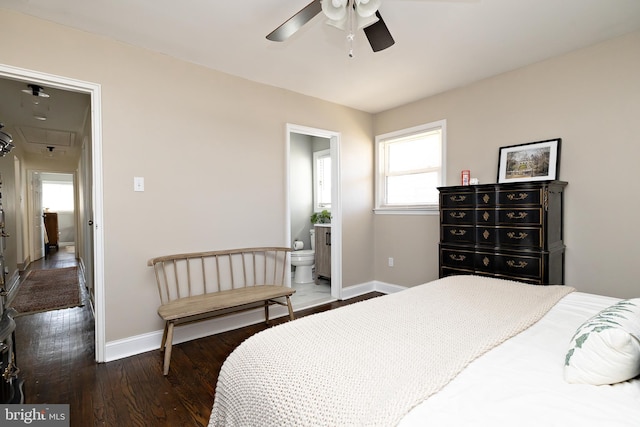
(371, 362)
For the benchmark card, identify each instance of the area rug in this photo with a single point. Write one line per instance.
(45, 290)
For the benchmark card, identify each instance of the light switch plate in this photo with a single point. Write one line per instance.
(138, 183)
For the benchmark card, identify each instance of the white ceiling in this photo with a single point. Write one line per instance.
(65, 114)
(440, 44)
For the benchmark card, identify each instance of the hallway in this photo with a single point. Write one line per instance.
(54, 343)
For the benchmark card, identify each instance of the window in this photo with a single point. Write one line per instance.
(57, 196)
(410, 167)
(321, 180)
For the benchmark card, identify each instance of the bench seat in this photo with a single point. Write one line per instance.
(201, 304)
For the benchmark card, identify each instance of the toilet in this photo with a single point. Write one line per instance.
(303, 260)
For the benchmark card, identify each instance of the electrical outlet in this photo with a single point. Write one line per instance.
(390, 262)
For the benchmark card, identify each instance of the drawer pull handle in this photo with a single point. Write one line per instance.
(458, 232)
(458, 215)
(519, 215)
(486, 234)
(520, 236)
(486, 216)
(520, 264)
(457, 257)
(486, 198)
(485, 261)
(520, 196)
(458, 198)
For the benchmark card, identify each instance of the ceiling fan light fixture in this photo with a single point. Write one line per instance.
(367, 8)
(36, 90)
(335, 10)
(345, 14)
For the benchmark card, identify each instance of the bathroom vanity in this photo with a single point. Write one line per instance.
(323, 251)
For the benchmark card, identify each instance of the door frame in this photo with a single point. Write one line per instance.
(336, 198)
(35, 243)
(94, 90)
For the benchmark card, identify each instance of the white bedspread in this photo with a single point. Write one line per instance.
(370, 363)
(520, 382)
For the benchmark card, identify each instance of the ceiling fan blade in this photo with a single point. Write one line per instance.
(296, 22)
(378, 34)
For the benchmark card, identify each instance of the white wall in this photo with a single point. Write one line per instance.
(591, 99)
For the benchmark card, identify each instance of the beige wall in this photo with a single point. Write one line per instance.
(211, 148)
(199, 138)
(591, 99)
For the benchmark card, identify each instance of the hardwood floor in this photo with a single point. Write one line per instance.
(55, 352)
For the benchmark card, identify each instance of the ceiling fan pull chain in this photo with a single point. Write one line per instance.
(351, 26)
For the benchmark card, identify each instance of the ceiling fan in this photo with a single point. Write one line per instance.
(347, 15)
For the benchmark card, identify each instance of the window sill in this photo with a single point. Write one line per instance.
(407, 211)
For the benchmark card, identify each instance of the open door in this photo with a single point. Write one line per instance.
(86, 220)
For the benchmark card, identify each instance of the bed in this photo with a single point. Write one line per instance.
(463, 350)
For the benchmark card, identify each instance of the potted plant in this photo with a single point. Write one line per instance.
(323, 217)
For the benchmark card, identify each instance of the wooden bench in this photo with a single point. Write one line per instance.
(201, 285)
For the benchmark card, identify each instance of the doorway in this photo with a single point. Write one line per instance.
(318, 137)
(90, 210)
(58, 204)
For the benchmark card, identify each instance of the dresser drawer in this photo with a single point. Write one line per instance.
(531, 216)
(519, 266)
(458, 199)
(457, 216)
(486, 198)
(514, 266)
(457, 234)
(523, 216)
(459, 259)
(485, 217)
(521, 237)
(519, 197)
(530, 237)
(485, 262)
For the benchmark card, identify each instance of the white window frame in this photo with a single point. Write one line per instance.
(317, 155)
(380, 203)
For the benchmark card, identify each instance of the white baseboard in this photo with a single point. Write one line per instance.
(373, 286)
(388, 288)
(131, 346)
(151, 341)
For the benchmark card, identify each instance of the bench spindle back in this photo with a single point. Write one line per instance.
(199, 273)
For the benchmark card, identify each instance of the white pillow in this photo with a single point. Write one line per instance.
(606, 348)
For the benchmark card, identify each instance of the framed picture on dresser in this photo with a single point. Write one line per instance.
(533, 161)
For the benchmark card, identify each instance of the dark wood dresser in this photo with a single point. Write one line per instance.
(51, 227)
(512, 231)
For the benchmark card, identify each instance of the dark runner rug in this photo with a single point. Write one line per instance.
(45, 290)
